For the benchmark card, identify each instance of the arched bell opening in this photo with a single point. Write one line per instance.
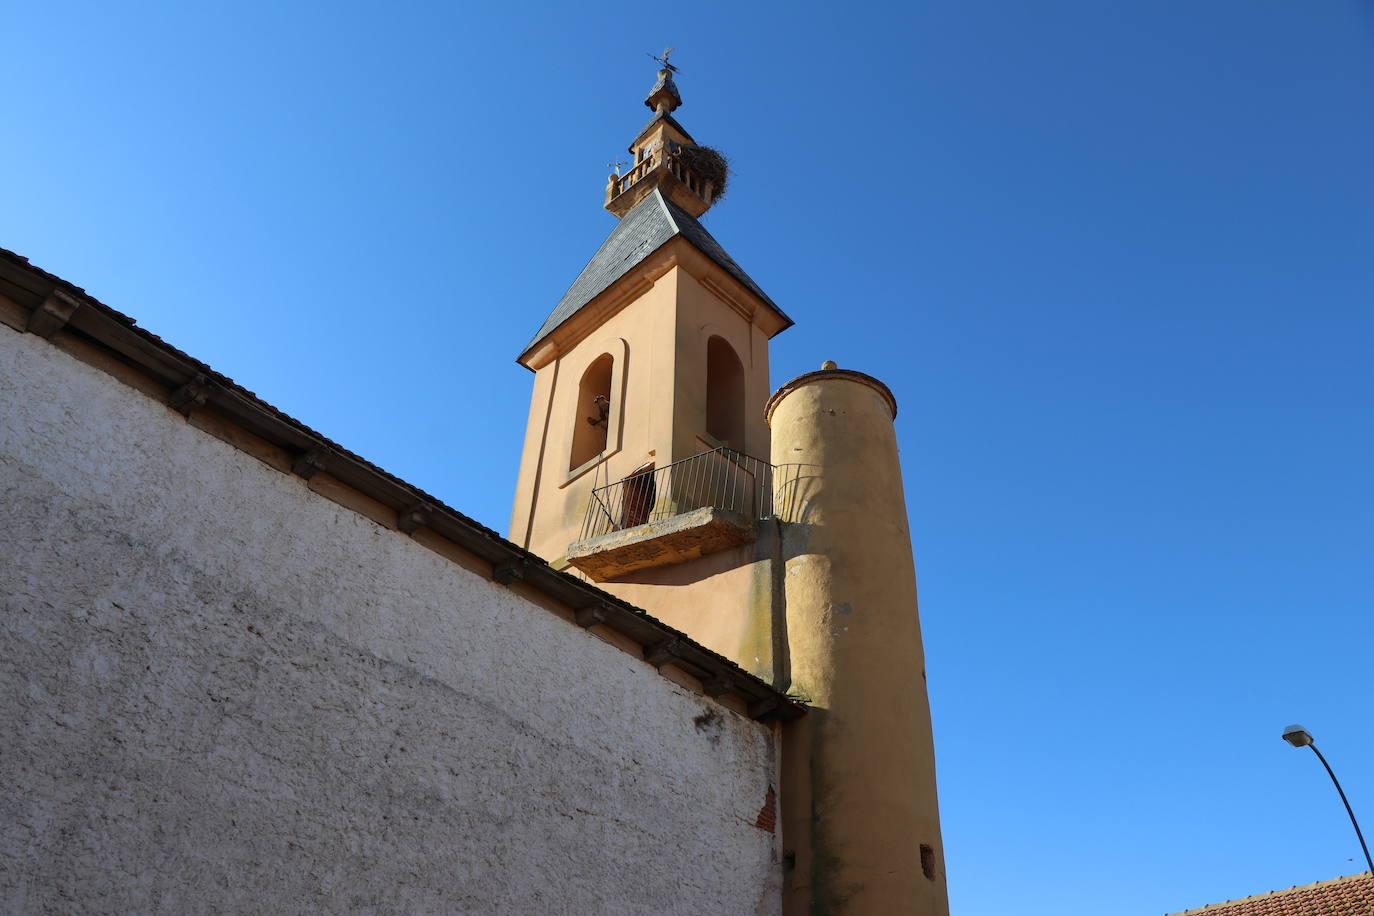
(724, 394)
(592, 422)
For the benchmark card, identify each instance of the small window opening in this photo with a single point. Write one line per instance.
(593, 419)
(928, 862)
(724, 394)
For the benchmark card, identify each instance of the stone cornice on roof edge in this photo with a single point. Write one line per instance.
(52, 306)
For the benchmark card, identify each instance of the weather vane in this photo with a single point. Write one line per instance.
(616, 165)
(664, 59)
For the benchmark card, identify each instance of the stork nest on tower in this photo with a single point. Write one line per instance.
(710, 165)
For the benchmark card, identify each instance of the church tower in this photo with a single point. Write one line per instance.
(645, 465)
(771, 530)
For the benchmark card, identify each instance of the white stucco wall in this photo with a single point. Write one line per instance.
(223, 692)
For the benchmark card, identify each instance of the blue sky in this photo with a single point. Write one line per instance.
(1113, 258)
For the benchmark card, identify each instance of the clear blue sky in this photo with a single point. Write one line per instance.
(1113, 258)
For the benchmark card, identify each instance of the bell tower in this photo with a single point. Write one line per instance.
(645, 466)
(771, 530)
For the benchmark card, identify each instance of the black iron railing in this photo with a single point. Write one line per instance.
(720, 479)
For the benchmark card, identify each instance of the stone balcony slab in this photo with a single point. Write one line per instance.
(676, 539)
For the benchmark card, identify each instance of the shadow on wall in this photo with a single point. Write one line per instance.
(794, 486)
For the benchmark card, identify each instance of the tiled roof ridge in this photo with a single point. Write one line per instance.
(1280, 892)
(667, 210)
(478, 539)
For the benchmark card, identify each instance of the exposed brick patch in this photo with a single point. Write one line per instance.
(768, 814)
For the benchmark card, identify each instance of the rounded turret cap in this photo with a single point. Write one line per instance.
(828, 372)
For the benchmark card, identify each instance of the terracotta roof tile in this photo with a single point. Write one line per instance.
(1352, 895)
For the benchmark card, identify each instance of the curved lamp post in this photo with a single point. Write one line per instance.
(1298, 736)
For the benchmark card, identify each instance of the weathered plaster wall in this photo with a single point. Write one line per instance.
(223, 692)
(727, 601)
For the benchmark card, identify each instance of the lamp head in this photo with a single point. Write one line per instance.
(1297, 736)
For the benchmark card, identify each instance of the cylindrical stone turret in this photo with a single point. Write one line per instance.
(859, 795)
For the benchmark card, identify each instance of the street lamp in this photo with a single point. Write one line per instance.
(1298, 736)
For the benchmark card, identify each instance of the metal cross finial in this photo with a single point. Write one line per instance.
(664, 60)
(616, 165)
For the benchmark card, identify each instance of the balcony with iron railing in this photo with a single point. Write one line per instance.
(682, 511)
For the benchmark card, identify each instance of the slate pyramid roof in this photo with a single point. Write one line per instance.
(651, 224)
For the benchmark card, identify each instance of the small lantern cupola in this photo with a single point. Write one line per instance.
(666, 157)
(664, 97)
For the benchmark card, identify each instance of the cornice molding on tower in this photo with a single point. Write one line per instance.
(734, 294)
(594, 314)
(720, 292)
(676, 252)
